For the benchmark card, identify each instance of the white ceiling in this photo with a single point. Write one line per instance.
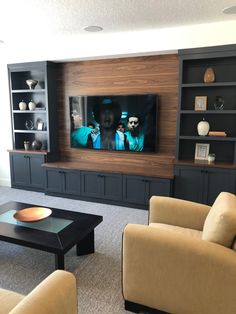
(27, 23)
(43, 18)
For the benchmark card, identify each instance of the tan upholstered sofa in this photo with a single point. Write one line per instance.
(56, 294)
(184, 261)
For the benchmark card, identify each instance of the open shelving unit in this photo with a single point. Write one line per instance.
(198, 180)
(193, 64)
(28, 125)
(43, 96)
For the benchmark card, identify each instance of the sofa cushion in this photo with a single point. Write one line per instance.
(188, 232)
(8, 300)
(220, 224)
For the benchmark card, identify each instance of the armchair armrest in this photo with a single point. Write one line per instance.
(177, 212)
(56, 294)
(172, 272)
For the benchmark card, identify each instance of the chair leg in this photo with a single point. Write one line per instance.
(136, 308)
(132, 307)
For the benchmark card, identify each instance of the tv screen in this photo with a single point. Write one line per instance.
(127, 122)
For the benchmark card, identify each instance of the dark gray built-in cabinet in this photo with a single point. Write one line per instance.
(115, 188)
(139, 189)
(39, 123)
(26, 171)
(203, 184)
(63, 181)
(196, 180)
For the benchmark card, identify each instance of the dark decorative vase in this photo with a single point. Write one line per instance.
(36, 145)
(219, 103)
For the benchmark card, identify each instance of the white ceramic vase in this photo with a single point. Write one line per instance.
(31, 83)
(22, 105)
(203, 128)
(31, 105)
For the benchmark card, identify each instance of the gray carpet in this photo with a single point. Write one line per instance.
(98, 275)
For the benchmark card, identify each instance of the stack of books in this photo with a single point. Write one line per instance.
(217, 133)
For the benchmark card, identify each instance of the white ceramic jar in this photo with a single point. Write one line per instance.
(31, 105)
(203, 128)
(22, 105)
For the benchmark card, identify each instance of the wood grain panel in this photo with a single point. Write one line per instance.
(136, 75)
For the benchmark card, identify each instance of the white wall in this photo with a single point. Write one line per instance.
(95, 46)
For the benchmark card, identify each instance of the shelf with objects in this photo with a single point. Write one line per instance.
(206, 128)
(32, 88)
(33, 105)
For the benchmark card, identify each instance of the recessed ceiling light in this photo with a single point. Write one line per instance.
(230, 10)
(93, 28)
(1, 41)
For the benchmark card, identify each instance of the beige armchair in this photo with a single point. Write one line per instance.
(183, 262)
(56, 294)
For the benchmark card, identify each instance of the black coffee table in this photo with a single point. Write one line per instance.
(56, 234)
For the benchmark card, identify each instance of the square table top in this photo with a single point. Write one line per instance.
(56, 233)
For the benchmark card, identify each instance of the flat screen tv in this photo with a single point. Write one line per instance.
(115, 123)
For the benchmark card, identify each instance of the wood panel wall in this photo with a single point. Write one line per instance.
(134, 75)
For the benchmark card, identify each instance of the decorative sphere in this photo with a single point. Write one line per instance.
(36, 145)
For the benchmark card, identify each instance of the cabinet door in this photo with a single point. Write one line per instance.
(189, 183)
(19, 169)
(91, 184)
(219, 180)
(36, 172)
(135, 189)
(112, 186)
(71, 182)
(161, 187)
(54, 180)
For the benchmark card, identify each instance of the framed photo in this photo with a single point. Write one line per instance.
(40, 125)
(200, 103)
(201, 151)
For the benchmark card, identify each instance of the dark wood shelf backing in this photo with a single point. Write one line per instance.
(136, 75)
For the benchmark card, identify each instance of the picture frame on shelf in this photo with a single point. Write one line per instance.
(201, 151)
(200, 103)
(40, 125)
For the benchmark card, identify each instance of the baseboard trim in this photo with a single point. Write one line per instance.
(5, 182)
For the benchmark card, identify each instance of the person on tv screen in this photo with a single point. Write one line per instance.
(107, 114)
(135, 135)
(121, 127)
(79, 136)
